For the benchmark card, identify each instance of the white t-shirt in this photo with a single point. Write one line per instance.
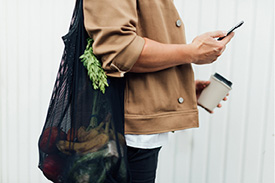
(150, 141)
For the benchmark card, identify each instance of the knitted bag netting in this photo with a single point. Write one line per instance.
(82, 139)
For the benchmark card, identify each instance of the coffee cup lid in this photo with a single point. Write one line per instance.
(221, 78)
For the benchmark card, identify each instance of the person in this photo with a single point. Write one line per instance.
(144, 41)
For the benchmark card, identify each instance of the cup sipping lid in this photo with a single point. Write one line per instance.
(221, 78)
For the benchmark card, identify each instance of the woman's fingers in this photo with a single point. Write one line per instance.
(200, 83)
(225, 98)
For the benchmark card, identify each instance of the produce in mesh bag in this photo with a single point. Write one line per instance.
(82, 140)
(90, 141)
(53, 167)
(93, 167)
(49, 138)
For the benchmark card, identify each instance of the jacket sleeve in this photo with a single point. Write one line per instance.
(112, 25)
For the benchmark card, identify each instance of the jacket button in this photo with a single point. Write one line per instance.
(178, 23)
(180, 100)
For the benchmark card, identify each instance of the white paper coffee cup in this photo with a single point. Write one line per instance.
(212, 95)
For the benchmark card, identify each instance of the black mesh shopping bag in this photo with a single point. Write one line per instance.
(82, 140)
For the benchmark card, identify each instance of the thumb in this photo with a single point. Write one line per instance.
(216, 34)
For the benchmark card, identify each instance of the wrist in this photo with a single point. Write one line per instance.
(189, 53)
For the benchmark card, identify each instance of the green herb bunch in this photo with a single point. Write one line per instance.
(93, 65)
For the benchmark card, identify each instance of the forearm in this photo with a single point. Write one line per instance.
(156, 56)
(204, 49)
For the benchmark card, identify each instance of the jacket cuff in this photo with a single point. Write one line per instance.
(124, 61)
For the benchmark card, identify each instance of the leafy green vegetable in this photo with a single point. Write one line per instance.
(92, 167)
(93, 65)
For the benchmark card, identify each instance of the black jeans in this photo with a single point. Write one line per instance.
(142, 164)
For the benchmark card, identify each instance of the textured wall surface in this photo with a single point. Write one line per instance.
(233, 145)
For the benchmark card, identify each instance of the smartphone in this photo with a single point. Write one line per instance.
(231, 30)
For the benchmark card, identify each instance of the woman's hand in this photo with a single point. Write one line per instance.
(200, 86)
(206, 48)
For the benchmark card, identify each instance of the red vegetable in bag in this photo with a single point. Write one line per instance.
(49, 138)
(52, 167)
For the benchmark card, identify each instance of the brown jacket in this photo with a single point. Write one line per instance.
(154, 102)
